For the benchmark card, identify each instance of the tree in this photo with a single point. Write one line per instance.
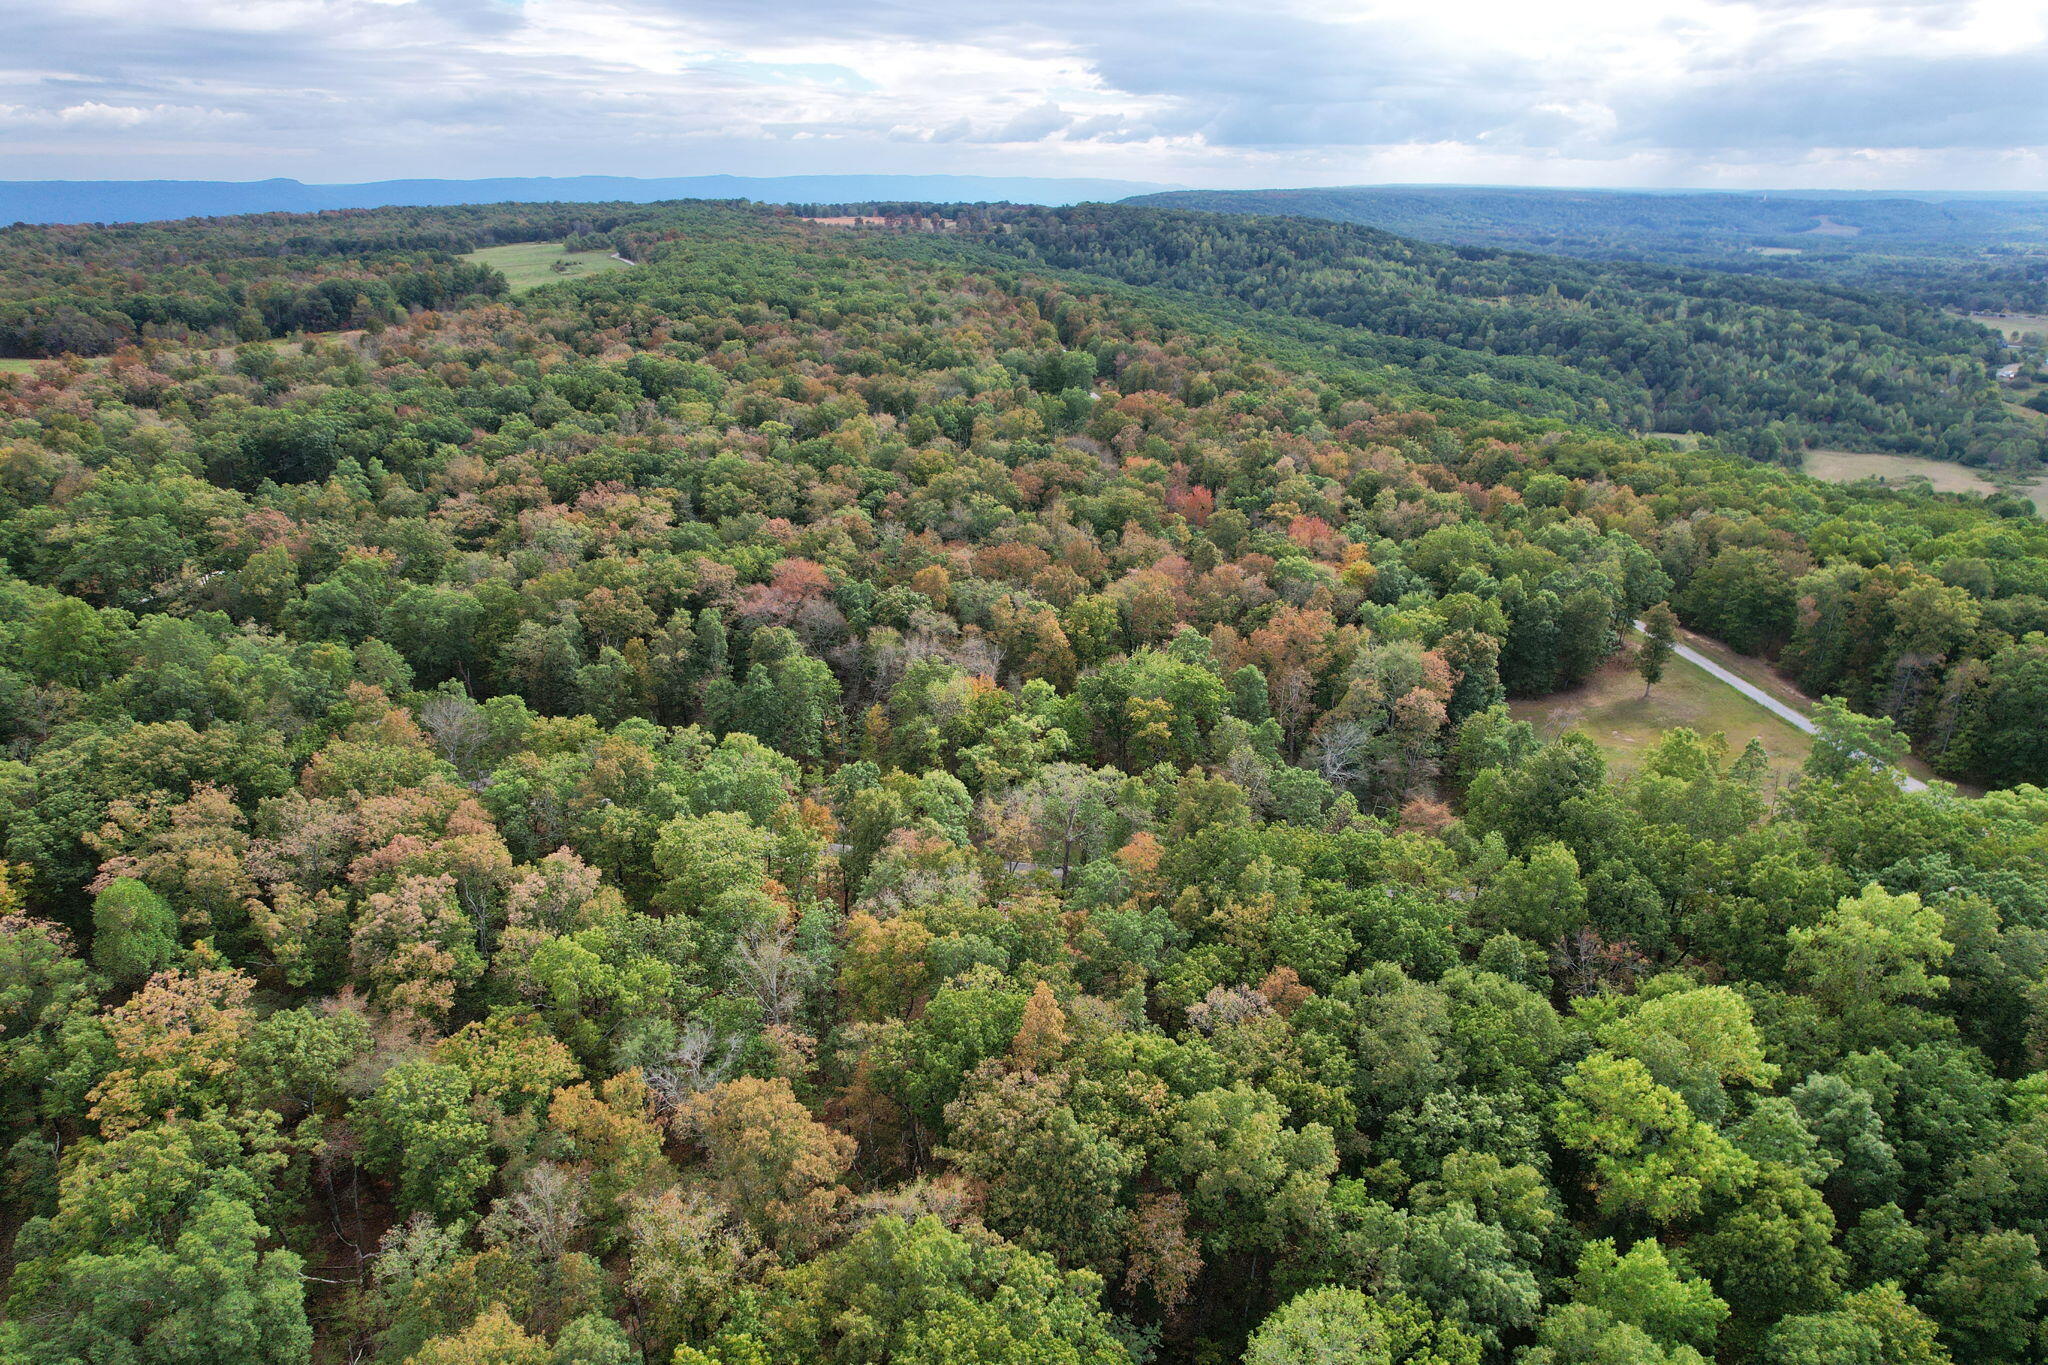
(210, 1295)
(1042, 1034)
(1251, 1179)
(1651, 1290)
(1872, 951)
(493, 1339)
(1875, 1326)
(418, 1125)
(47, 1000)
(594, 1339)
(1660, 639)
(1844, 1121)
(1047, 1179)
(1325, 1326)
(135, 933)
(1648, 1154)
(1987, 1294)
(1770, 1251)
(1743, 596)
(770, 1161)
(1695, 1042)
(915, 1293)
(1580, 1334)
(175, 1046)
(1846, 743)
(1539, 897)
(703, 857)
(416, 947)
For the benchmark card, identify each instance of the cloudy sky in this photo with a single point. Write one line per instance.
(1820, 93)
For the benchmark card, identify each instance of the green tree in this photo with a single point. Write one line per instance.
(1873, 951)
(1875, 1326)
(1580, 1334)
(211, 1294)
(1660, 639)
(1770, 1251)
(493, 1339)
(904, 1293)
(1987, 1294)
(1328, 1325)
(418, 1126)
(135, 932)
(1252, 1180)
(1648, 1155)
(1049, 1180)
(1650, 1289)
(703, 857)
(1846, 743)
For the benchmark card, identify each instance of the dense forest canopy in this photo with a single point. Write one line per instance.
(882, 797)
(1976, 253)
(1769, 366)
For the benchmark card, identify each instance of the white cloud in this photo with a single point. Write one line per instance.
(1818, 92)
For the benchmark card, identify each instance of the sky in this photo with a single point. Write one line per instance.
(1898, 94)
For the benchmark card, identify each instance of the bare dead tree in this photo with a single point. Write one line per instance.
(769, 964)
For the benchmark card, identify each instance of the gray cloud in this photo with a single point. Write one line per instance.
(1922, 91)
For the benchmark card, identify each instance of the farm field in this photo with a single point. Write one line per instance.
(529, 265)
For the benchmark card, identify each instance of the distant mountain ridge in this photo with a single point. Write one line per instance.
(133, 201)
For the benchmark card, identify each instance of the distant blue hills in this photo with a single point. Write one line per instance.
(133, 201)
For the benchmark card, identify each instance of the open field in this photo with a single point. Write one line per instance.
(1829, 227)
(529, 265)
(1611, 710)
(1847, 466)
(2013, 326)
(18, 366)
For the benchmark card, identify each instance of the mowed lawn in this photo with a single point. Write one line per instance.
(529, 265)
(1611, 710)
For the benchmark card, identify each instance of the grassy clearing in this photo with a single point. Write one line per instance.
(1848, 466)
(1611, 710)
(529, 265)
(1829, 227)
(1759, 674)
(1845, 466)
(2013, 326)
(19, 366)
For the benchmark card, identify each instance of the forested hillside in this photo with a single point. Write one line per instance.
(1769, 366)
(89, 288)
(840, 796)
(1967, 252)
